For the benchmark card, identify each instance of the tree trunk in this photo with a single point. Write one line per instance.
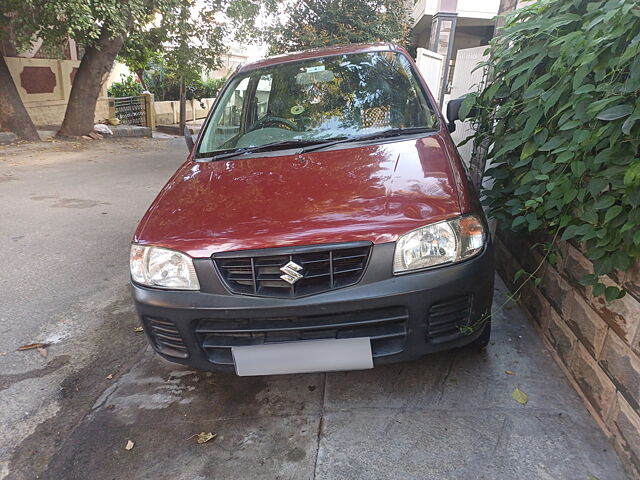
(183, 107)
(94, 67)
(140, 74)
(13, 115)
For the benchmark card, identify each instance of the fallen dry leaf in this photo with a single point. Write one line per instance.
(509, 372)
(32, 346)
(110, 376)
(519, 396)
(204, 437)
(129, 445)
(138, 329)
(42, 351)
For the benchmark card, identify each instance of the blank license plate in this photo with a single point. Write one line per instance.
(304, 356)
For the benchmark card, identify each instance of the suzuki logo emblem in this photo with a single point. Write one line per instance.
(290, 272)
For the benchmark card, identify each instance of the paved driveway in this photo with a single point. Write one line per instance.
(68, 214)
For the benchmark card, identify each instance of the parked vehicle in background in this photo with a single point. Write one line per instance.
(322, 221)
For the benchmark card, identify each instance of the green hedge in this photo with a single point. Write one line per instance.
(127, 87)
(166, 88)
(562, 118)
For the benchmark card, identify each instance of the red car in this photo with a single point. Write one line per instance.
(322, 221)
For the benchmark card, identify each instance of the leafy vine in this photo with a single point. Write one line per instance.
(561, 113)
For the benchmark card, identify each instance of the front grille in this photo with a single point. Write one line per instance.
(386, 327)
(446, 318)
(324, 268)
(166, 337)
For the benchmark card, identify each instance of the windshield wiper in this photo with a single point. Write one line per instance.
(268, 146)
(391, 132)
(310, 145)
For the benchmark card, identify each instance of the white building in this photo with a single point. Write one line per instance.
(446, 26)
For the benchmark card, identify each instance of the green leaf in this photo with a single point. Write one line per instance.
(569, 125)
(632, 176)
(517, 222)
(529, 149)
(598, 289)
(523, 162)
(629, 123)
(612, 293)
(578, 168)
(589, 279)
(596, 185)
(532, 93)
(620, 260)
(531, 124)
(604, 202)
(564, 157)
(569, 233)
(519, 396)
(612, 213)
(590, 216)
(614, 113)
(585, 89)
(467, 104)
(553, 143)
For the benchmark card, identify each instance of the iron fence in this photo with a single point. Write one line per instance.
(130, 110)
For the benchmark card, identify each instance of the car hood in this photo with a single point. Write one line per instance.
(373, 193)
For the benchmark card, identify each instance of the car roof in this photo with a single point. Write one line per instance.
(319, 52)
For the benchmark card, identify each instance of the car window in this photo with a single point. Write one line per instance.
(225, 121)
(263, 92)
(321, 98)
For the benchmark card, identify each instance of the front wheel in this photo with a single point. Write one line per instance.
(483, 340)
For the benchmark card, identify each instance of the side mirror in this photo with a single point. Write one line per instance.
(453, 113)
(188, 138)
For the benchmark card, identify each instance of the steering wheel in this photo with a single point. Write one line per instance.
(274, 121)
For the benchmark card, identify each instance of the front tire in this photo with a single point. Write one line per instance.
(483, 340)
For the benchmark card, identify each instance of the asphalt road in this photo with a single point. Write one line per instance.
(68, 213)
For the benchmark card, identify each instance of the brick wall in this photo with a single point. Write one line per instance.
(596, 343)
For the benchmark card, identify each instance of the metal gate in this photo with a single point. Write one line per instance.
(431, 65)
(130, 110)
(464, 81)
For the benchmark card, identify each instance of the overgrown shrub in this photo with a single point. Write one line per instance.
(165, 83)
(166, 87)
(127, 87)
(562, 118)
(205, 89)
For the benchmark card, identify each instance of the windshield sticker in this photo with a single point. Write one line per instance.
(297, 109)
(319, 68)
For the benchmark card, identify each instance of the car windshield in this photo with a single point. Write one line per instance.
(316, 100)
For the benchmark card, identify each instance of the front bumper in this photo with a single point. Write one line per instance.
(405, 316)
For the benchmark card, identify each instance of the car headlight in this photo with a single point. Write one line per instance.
(444, 242)
(162, 268)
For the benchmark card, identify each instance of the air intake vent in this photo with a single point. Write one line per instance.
(386, 327)
(322, 268)
(166, 337)
(446, 318)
